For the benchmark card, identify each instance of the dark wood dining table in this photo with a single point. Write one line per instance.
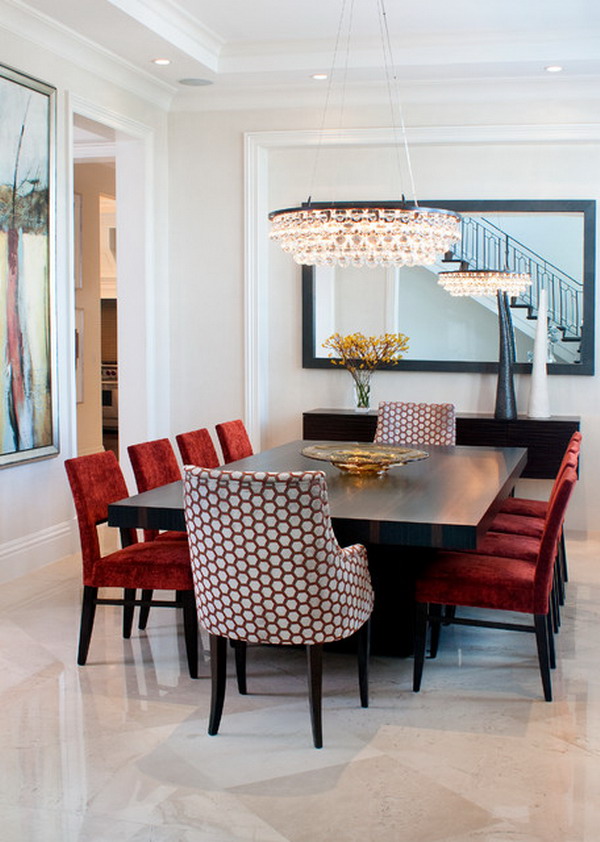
(446, 501)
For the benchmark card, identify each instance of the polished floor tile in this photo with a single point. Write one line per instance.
(118, 750)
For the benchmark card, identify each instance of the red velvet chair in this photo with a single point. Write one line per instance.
(96, 481)
(234, 440)
(154, 464)
(197, 448)
(521, 507)
(539, 508)
(268, 570)
(521, 516)
(521, 584)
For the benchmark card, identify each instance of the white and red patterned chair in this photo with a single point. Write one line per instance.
(415, 423)
(267, 568)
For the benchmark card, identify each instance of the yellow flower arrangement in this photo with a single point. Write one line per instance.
(361, 355)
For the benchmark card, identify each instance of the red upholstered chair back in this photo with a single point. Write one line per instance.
(415, 423)
(234, 440)
(266, 564)
(96, 480)
(154, 463)
(197, 448)
(569, 460)
(547, 553)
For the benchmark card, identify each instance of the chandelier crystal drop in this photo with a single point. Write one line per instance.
(365, 233)
(484, 282)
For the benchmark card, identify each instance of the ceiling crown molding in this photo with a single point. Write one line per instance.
(580, 95)
(181, 29)
(20, 19)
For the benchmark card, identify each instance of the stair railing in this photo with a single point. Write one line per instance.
(484, 245)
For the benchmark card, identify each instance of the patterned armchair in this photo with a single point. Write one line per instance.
(267, 568)
(415, 423)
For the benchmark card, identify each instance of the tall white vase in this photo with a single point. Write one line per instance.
(539, 406)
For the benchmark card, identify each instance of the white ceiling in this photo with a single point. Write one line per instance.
(250, 48)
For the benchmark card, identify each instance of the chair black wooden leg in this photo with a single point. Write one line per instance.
(555, 595)
(443, 616)
(551, 645)
(128, 594)
(314, 654)
(190, 630)
(541, 637)
(363, 638)
(559, 572)
(88, 612)
(449, 614)
(218, 676)
(420, 642)
(562, 549)
(144, 610)
(240, 649)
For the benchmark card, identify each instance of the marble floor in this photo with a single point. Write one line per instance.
(118, 750)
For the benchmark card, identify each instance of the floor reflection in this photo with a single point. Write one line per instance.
(117, 750)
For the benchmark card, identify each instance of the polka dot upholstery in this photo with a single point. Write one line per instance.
(415, 423)
(267, 567)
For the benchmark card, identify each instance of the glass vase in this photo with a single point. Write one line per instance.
(362, 390)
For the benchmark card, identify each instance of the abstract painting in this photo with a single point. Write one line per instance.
(28, 424)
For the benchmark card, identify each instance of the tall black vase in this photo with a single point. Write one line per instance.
(506, 404)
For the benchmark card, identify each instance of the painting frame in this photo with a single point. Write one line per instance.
(28, 383)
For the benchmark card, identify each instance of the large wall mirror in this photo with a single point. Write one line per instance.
(553, 241)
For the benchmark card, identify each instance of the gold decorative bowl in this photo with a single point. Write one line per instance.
(363, 458)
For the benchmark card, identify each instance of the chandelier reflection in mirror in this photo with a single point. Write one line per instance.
(484, 282)
(389, 233)
(504, 285)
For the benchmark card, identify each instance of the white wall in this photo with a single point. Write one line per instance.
(209, 277)
(36, 512)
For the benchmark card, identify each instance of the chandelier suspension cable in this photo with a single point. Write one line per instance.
(337, 180)
(393, 88)
(364, 233)
(328, 94)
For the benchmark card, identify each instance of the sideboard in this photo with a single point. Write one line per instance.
(544, 438)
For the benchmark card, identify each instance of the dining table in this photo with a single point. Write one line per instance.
(445, 500)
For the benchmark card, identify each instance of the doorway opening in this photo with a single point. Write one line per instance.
(114, 188)
(109, 323)
(96, 301)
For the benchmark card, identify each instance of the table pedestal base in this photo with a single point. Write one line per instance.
(393, 573)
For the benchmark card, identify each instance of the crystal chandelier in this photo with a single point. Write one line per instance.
(389, 233)
(364, 233)
(484, 282)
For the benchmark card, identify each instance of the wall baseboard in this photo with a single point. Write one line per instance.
(37, 549)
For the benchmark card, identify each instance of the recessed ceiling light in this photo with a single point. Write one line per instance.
(553, 68)
(319, 77)
(195, 83)
(161, 61)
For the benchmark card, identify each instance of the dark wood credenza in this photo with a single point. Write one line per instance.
(544, 438)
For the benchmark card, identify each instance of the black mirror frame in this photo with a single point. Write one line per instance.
(586, 364)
